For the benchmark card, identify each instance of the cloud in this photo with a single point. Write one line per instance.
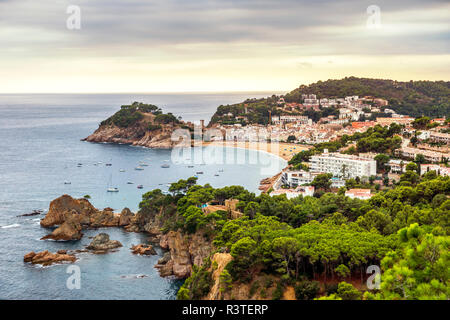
(158, 35)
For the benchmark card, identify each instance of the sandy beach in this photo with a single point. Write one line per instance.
(283, 150)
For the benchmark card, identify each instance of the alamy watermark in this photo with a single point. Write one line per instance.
(373, 282)
(73, 22)
(74, 280)
(374, 19)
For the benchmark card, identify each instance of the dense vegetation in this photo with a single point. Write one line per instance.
(326, 238)
(414, 98)
(129, 115)
(257, 112)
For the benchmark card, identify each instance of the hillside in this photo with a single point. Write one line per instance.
(414, 98)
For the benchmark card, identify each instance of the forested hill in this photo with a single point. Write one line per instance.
(414, 98)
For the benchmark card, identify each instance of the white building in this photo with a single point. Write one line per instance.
(397, 166)
(343, 166)
(440, 170)
(362, 194)
(293, 193)
(301, 178)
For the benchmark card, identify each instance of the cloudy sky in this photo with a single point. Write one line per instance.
(211, 45)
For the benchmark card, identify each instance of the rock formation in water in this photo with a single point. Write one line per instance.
(143, 249)
(101, 243)
(72, 215)
(47, 258)
(69, 230)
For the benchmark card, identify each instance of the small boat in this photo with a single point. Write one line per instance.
(79, 164)
(67, 182)
(140, 186)
(112, 190)
(143, 164)
(122, 170)
(216, 175)
(138, 168)
(221, 170)
(165, 165)
(190, 166)
(200, 172)
(108, 164)
(129, 182)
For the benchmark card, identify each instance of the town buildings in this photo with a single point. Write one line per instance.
(343, 166)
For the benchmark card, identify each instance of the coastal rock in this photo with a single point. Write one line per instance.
(105, 218)
(166, 258)
(47, 258)
(136, 135)
(33, 213)
(102, 243)
(143, 249)
(72, 215)
(69, 230)
(65, 206)
(221, 259)
(125, 217)
(185, 251)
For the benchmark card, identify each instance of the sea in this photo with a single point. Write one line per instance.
(42, 157)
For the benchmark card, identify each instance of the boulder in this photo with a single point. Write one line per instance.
(166, 258)
(105, 218)
(102, 243)
(125, 217)
(69, 230)
(47, 258)
(143, 249)
(66, 206)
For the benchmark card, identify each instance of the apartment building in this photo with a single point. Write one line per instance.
(343, 166)
(440, 170)
(399, 120)
(411, 153)
(440, 137)
(301, 177)
(293, 193)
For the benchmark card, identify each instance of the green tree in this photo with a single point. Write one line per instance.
(322, 181)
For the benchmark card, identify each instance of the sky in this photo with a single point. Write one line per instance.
(217, 46)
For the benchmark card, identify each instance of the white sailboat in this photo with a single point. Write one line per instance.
(110, 188)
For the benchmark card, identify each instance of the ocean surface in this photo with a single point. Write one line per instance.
(40, 150)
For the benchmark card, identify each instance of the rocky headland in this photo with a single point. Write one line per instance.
(140, 124)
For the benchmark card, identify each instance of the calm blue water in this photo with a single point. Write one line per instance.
(39, 149)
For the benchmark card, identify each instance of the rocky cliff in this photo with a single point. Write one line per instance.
(145, 132)
(185, 251)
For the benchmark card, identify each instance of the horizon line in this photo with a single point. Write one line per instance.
(151, 92)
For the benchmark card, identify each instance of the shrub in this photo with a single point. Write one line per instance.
(307, 290)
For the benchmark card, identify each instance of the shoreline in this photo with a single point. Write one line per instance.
(282, 150)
